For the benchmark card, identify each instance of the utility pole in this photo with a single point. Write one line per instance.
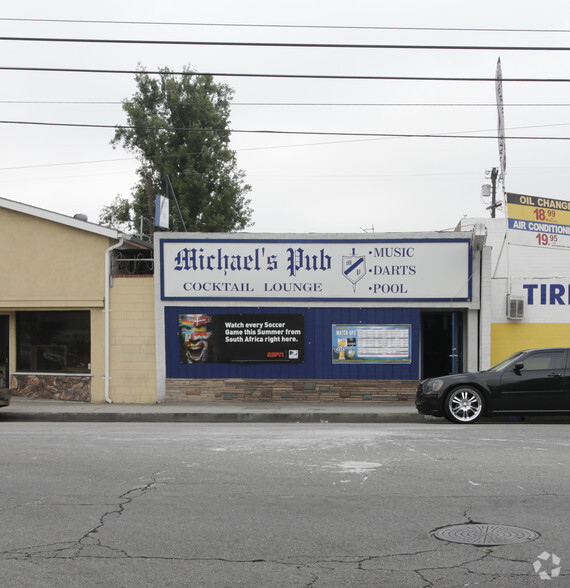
(150, 204)
(494, 174)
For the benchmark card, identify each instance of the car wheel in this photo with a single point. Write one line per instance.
(464, 405)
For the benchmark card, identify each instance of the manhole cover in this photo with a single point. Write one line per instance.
(483, 534)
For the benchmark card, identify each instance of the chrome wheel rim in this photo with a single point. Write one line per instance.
(465, 405)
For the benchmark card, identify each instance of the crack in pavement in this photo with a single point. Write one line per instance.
(500, 577)
(88, 545)
(313, 567)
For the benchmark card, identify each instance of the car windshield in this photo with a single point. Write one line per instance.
(505, 362)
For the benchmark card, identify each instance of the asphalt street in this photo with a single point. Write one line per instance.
(320, 504)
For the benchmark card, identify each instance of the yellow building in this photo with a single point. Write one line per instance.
(70, 327)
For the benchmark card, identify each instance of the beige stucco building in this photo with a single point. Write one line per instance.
(70, 327)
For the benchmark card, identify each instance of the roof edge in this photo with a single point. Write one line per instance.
(63, 219)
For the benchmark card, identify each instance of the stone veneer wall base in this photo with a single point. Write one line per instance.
(52, 387)
(240, 390)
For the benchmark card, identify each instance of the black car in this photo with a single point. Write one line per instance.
(536, 381)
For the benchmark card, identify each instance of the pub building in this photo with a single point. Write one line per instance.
(92, 314)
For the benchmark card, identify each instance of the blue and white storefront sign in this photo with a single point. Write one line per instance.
(250, 268)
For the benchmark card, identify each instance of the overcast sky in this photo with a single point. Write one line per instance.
(300, 182)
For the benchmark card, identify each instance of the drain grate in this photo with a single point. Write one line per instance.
(482, 534)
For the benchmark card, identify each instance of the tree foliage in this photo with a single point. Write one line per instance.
(118, 214)
(178, 128)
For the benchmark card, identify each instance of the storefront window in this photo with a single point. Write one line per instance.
(53, 341)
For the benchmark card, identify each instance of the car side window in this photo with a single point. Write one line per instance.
(553, 360)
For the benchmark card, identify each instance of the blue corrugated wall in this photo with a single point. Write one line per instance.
(318, 345)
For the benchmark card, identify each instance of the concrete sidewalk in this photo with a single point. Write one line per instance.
(22, 409)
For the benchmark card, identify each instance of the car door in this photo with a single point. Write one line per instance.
(540, 384)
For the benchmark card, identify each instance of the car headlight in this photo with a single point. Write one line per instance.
(433, 386)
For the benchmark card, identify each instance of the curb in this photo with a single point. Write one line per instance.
(211, 417)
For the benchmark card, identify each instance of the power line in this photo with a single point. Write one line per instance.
(67, 163)
(76, 163)
(284, 132)
(303, 104)
(264, 44)
(282, 76)
(64, 102)
(283, 26)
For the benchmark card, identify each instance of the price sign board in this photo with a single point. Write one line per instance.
(538, 221)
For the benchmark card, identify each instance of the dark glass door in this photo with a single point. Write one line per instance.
(442, 343)
(456, 343)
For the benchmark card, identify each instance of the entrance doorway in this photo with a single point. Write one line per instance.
(442, 343)
(4, 347)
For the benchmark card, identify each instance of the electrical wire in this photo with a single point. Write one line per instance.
(319, 104)
(281, 76)
(265, 44)
(68, 163)
(284, 26)
(284, 132)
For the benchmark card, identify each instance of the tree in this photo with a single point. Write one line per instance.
(118, 215)
(178, 128)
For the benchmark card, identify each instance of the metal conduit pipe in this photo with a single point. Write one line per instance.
(107, 311)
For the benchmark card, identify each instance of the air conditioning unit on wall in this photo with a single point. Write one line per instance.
(515, 307)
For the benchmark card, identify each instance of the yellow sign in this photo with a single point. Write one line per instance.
(536, 213)
(539, 221)
(537, 208)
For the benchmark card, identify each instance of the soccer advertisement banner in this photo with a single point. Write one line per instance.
(371, 344)
(239, 338)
